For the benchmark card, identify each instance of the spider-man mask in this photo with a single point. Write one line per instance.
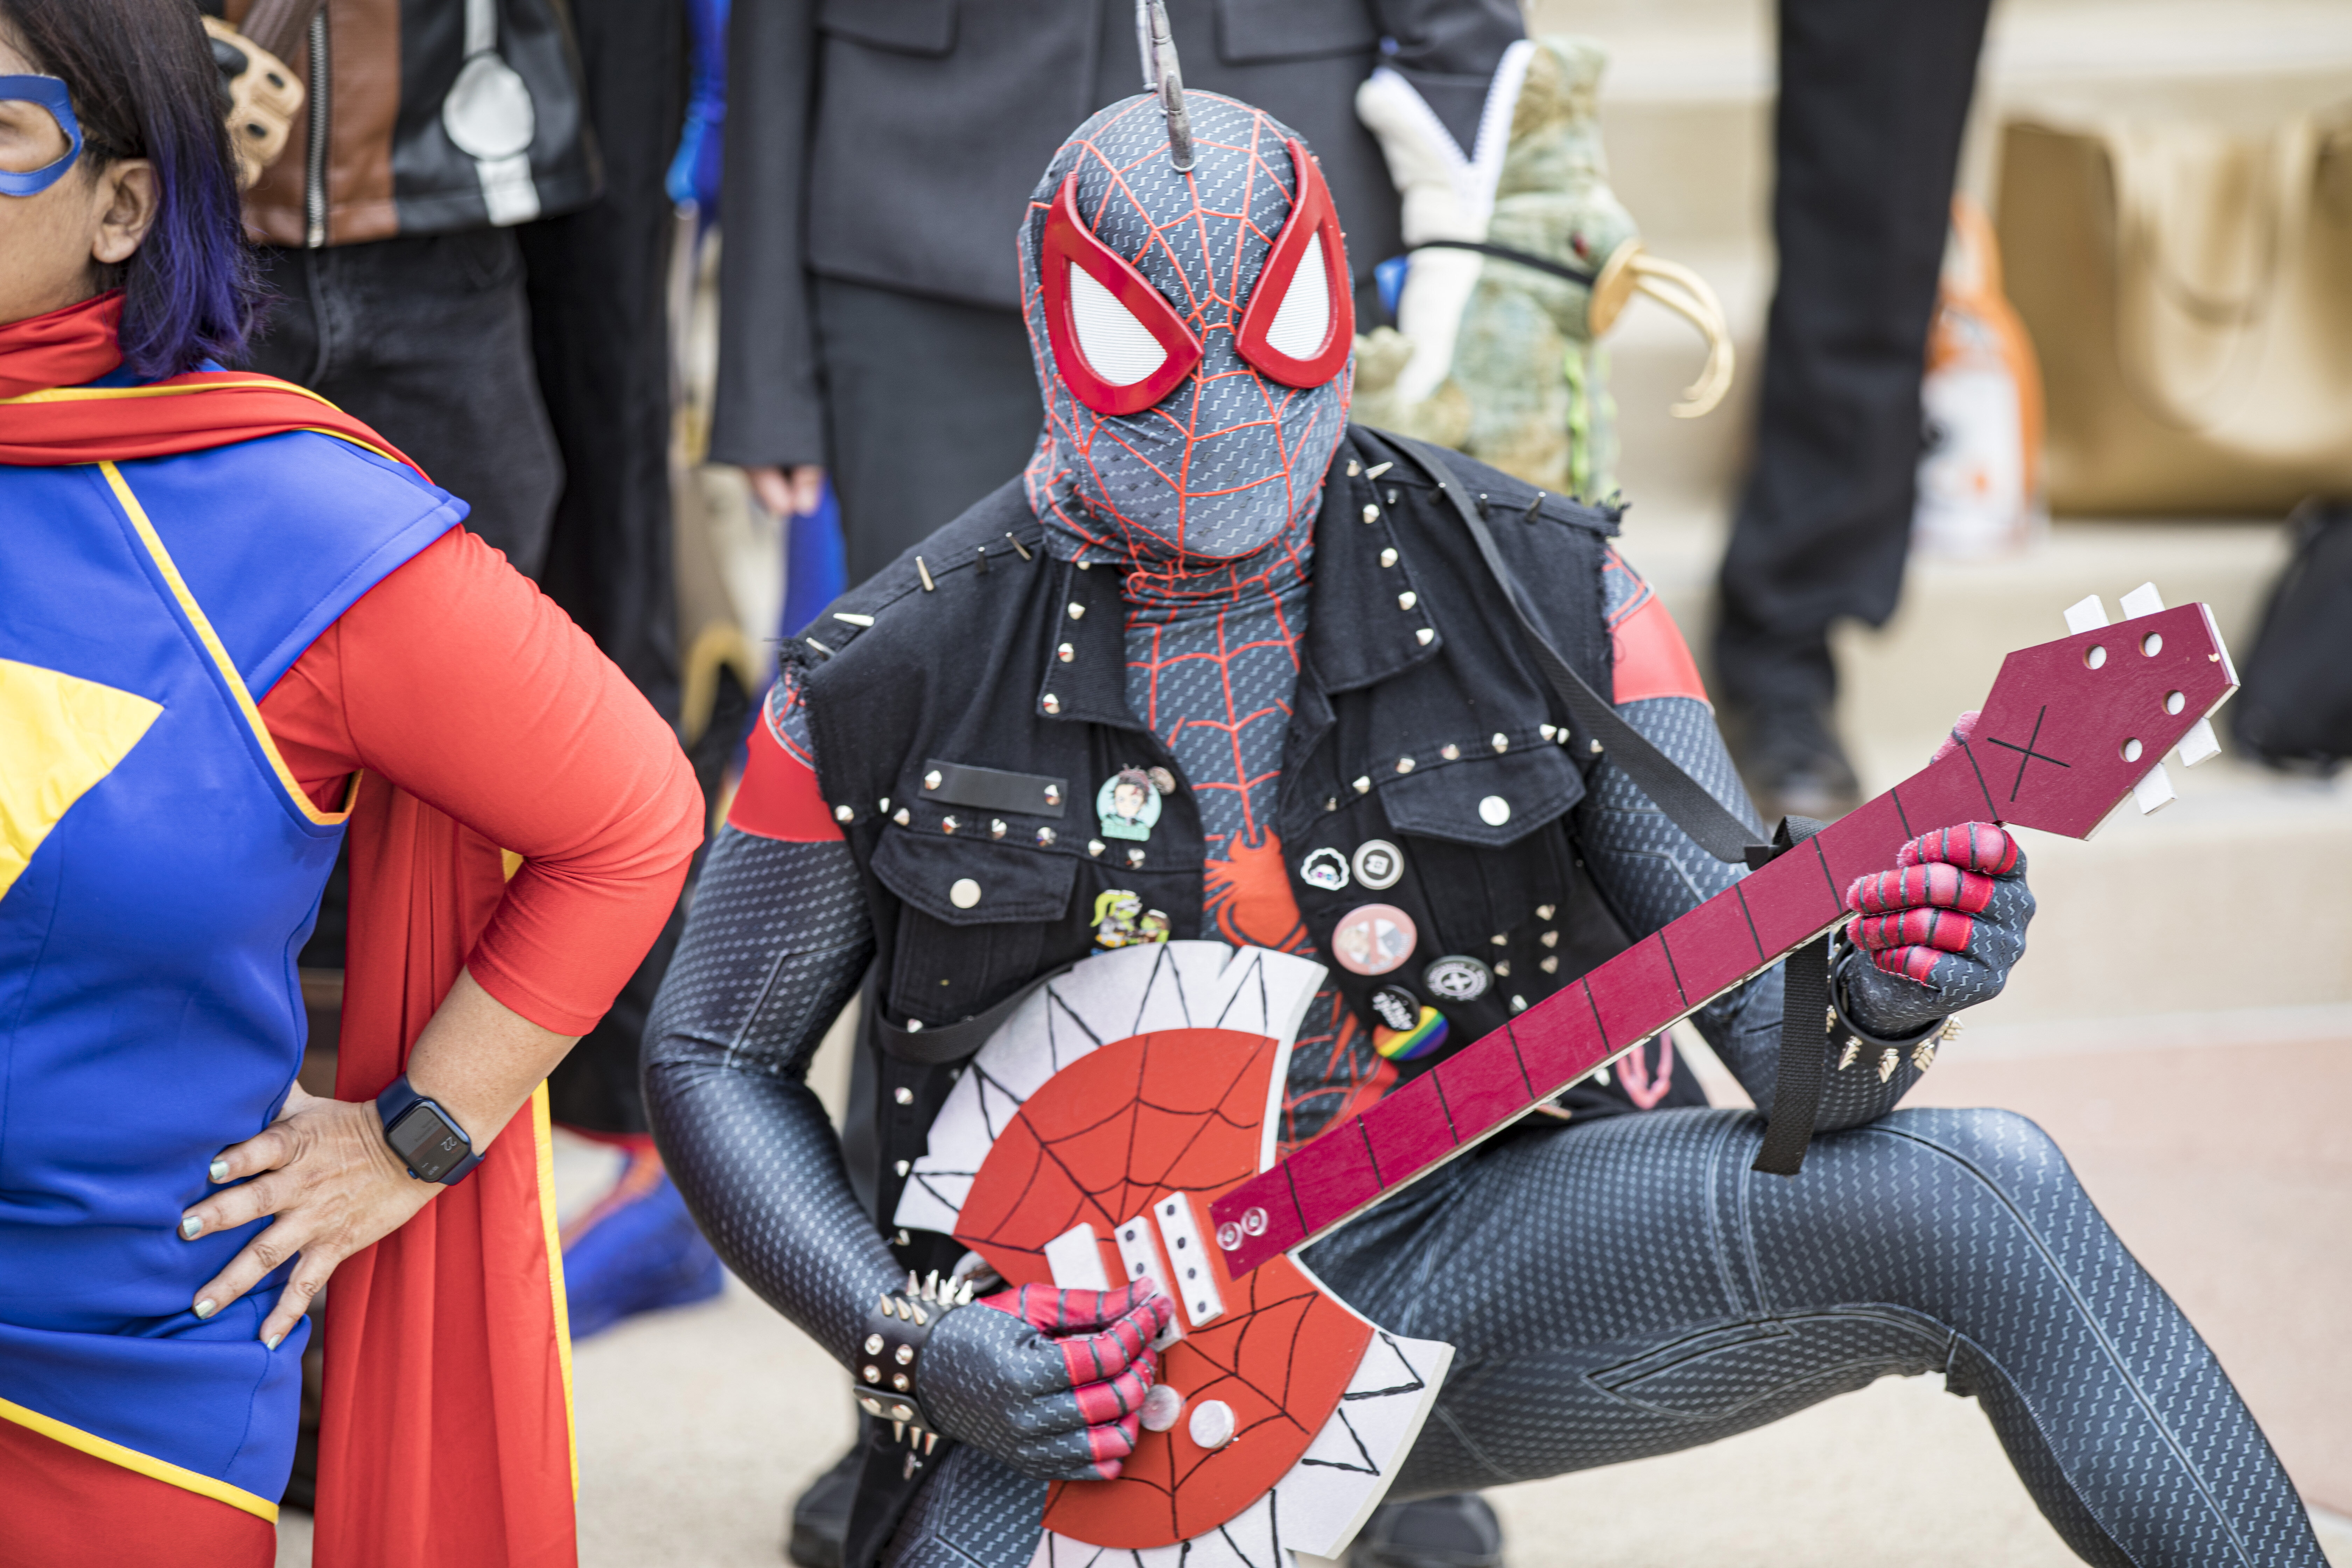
(1191, 332)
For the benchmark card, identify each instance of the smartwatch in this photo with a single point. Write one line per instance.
(426, 1138)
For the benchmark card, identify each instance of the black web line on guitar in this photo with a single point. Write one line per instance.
(1249, 1314)
(2026, 753)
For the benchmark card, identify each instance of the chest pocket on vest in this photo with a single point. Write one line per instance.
(973, 922)
(1457, 815)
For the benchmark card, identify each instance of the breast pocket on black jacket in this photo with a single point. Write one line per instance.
(1486, 840)
(974, 920)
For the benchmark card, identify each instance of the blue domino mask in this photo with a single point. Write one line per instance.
(49, 94)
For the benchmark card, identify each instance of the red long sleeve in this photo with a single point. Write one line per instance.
(455, 680)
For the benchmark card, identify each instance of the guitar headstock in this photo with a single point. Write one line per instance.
(2073, 726)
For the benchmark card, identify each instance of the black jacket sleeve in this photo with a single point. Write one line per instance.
(768, 408)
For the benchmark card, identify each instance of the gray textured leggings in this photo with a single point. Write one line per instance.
(1631, 1287)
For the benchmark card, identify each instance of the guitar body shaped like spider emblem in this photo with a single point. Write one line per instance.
(1122, 1121)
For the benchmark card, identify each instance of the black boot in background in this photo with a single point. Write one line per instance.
(1457, 1532)
(820, 1516)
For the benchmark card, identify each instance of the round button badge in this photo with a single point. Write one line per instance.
(1373, 939)
(1379, 864)
(1457, 978)
(1396, 1007)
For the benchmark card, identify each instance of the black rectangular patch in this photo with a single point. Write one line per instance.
(992, 789)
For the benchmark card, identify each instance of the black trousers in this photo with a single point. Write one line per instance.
(598, 281)
(1867, 137)
(932, 404)
(429, 340)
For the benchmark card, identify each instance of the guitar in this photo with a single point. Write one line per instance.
(1122, 1121)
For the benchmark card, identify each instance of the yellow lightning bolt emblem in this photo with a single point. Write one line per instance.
(59, 736)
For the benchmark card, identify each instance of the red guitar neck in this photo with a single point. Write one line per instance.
(1476, 1093)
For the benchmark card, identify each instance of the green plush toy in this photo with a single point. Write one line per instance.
(1521, 259)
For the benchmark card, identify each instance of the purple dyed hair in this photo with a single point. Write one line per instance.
(145, 86)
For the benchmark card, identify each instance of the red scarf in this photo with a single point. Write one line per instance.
(48, 417)
(446, 1437)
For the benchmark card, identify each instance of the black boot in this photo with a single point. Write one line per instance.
(1457, 1532)
(1790, 760)
(820, 1516)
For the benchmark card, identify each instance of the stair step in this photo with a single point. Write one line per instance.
(1686, 103)
(2171, 913)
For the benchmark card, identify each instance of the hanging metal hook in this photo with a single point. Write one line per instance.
(1163, 78)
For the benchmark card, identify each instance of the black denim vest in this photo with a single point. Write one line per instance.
(1419, 722)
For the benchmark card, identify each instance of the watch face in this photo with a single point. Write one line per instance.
(424, 1139)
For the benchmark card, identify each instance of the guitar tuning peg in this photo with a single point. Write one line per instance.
(2154, 790)
(2143, 600)
(2088, 616)
(2199, 743)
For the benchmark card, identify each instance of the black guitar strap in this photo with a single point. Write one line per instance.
(1804, 1039)
(1595, 726)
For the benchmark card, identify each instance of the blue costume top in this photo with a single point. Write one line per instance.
(159, 873)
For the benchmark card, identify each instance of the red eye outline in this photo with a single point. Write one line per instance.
(1312, 221)
(1068, 243)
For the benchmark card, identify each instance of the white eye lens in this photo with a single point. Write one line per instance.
(1305, 318)
(1116, 344)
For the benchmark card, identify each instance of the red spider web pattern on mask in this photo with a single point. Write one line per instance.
(1213, 675)
(1180, 1111)
(1179, 454)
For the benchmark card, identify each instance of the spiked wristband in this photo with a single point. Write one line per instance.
(896, 1331)
(1884, 1052)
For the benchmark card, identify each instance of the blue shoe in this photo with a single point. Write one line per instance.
(636, 1251)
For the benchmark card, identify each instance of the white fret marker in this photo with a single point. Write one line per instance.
(1139, 1251)
(1194, 1279)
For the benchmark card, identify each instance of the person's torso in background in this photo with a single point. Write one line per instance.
(435, 116)
(934, 119)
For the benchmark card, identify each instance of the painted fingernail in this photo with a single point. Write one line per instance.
(219, 1172)
(208, 1307)
(191, 1227)
(273, 1340)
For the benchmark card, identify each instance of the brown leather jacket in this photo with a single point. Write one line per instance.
(427, 117)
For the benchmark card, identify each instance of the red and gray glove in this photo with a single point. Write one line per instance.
(1050, 1382)
(1941, 932)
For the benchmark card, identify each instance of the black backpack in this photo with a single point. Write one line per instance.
(2294, 708)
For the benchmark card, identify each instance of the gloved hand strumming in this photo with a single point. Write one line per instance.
(1050, 1382)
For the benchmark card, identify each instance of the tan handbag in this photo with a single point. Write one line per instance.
(2189, 294)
